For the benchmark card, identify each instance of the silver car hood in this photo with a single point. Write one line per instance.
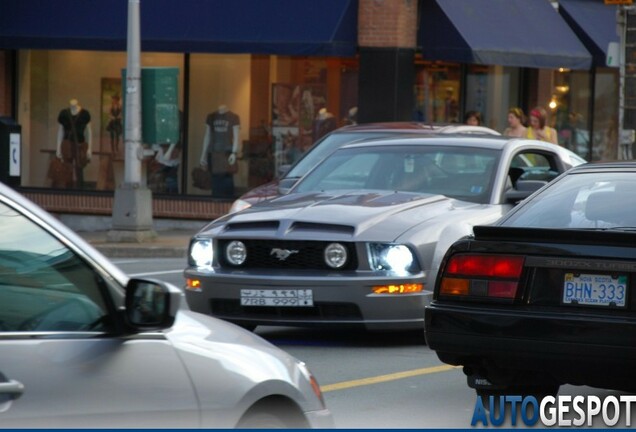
(369, 216)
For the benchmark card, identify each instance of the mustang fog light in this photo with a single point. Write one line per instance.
(201, 253)
(398, 289)
(336, 255)
(236, 252)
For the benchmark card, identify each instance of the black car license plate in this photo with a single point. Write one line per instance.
(595, 290)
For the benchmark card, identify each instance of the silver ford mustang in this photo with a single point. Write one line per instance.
(82, 346)
(358, 240)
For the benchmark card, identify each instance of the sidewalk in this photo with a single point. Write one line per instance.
(168, 244)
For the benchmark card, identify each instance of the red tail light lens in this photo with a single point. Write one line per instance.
(482, 276)
(486, 266)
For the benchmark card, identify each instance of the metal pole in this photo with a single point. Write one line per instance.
(621, 18)
(132, 204)
(132, 132)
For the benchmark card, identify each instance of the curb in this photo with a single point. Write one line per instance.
(118, 251)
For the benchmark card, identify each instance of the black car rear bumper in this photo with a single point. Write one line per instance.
(504, 343)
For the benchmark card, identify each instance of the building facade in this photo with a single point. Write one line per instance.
(281, 68)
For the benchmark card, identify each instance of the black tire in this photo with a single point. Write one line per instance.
(262, 420)
(273, 413)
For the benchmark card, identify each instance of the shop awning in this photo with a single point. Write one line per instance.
(285, 27)
(523, 33)
(594, 23)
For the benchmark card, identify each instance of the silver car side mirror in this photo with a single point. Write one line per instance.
(151, 304)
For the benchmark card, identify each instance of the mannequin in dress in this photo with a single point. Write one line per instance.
(74, 138)
(115, 126)
(221, 144)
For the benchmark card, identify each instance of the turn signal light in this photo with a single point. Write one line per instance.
(491, 276)
(398, 289)
(452, 286)
(193, 284)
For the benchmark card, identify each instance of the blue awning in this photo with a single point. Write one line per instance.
(285, 27)
(523, 33)
(594, 23)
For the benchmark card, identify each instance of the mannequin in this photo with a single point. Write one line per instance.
(221, 144)
(324, 123)
(74, 138)
(115, 126)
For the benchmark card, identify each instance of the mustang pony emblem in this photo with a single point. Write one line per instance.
(282, 254)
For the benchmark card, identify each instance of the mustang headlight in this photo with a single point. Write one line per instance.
(201, 253)
(391, 257)
(236, 252)
(336, 255)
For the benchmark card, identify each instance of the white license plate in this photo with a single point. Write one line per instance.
(283, 297)
(594, 290)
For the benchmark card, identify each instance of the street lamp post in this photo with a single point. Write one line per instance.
(132, 207)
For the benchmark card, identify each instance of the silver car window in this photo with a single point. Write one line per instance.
(44, 286)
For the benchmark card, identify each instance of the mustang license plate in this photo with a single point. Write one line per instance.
(594, 290)
(279, 297)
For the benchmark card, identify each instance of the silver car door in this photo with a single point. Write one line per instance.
(64, 361)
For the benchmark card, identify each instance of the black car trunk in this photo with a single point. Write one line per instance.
(573, 271)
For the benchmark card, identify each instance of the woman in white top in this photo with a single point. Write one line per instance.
(515, 123)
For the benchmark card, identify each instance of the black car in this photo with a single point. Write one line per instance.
(546, 296)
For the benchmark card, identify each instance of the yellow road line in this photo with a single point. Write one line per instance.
(383, 378)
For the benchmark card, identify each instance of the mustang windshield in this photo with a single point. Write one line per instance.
(465, 173)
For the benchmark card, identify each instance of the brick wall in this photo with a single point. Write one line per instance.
(387, 23)
(168, 208)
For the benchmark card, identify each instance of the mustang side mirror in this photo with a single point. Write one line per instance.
(282, 170)
(285, 185)
(523, 189)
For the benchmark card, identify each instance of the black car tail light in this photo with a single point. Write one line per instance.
(490, 276)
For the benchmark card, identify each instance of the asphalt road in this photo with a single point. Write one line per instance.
(369, 380)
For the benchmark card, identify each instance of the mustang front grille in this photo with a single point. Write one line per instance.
(283, 254)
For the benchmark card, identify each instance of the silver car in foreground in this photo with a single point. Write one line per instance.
(359, 239)
(81, 345)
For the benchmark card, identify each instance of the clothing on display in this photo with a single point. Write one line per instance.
(221, 144)
(222, 130)
(74, 140)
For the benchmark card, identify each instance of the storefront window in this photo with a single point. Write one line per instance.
(569, 110)
(282, 105)
(437, 93)
(87, 85)
(233, 108)
(219, 120)
(605, 137)
(492, 91)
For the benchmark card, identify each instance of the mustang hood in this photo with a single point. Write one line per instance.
(378, 215)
